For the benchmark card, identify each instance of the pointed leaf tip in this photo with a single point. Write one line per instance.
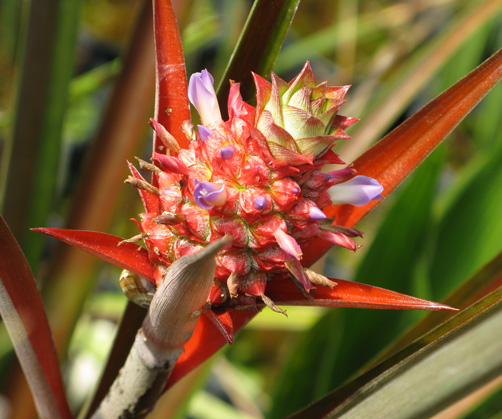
(349, 294)
(105, 246)
(395, 156)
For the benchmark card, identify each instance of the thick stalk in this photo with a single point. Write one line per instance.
(171, 319)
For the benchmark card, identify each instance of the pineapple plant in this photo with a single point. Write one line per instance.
(257, 178)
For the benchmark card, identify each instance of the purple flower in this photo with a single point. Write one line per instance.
(204, 132)
(227, 152)
(260, 203)
(202, 95)
(316, 213)
(208, 195)
(356, 191)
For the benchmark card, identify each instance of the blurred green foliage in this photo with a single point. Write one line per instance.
(439, 228)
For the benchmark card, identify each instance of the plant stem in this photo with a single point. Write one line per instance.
(175, 310)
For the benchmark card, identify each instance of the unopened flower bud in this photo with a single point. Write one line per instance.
(356, 191)
(202, 95)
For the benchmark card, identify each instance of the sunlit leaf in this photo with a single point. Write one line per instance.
(462, 354)
(258, 46)
(107, 247)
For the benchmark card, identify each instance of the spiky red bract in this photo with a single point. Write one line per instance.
(349, 294)
(107, 247)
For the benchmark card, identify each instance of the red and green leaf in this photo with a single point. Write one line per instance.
(24, 316)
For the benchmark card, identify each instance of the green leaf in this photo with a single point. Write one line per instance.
(42, 101)
(489, 408)
(485, 128)
(470, 231)
(461, 355)
(258, 45)
(479, 285)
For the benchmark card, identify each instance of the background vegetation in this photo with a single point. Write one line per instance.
(75, 95)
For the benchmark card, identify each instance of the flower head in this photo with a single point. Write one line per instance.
(258, 178)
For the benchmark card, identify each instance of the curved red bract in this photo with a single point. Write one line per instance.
(107, 247)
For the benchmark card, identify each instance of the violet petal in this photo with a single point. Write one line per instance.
(260, 203)
(204, 132)
(227, 152)
(202, 95)
(207, 195)
(356, 191)
(316, 213)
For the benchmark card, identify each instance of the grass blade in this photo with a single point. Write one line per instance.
(414, 75)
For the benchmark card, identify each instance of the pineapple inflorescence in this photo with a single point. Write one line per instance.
(256, 177)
